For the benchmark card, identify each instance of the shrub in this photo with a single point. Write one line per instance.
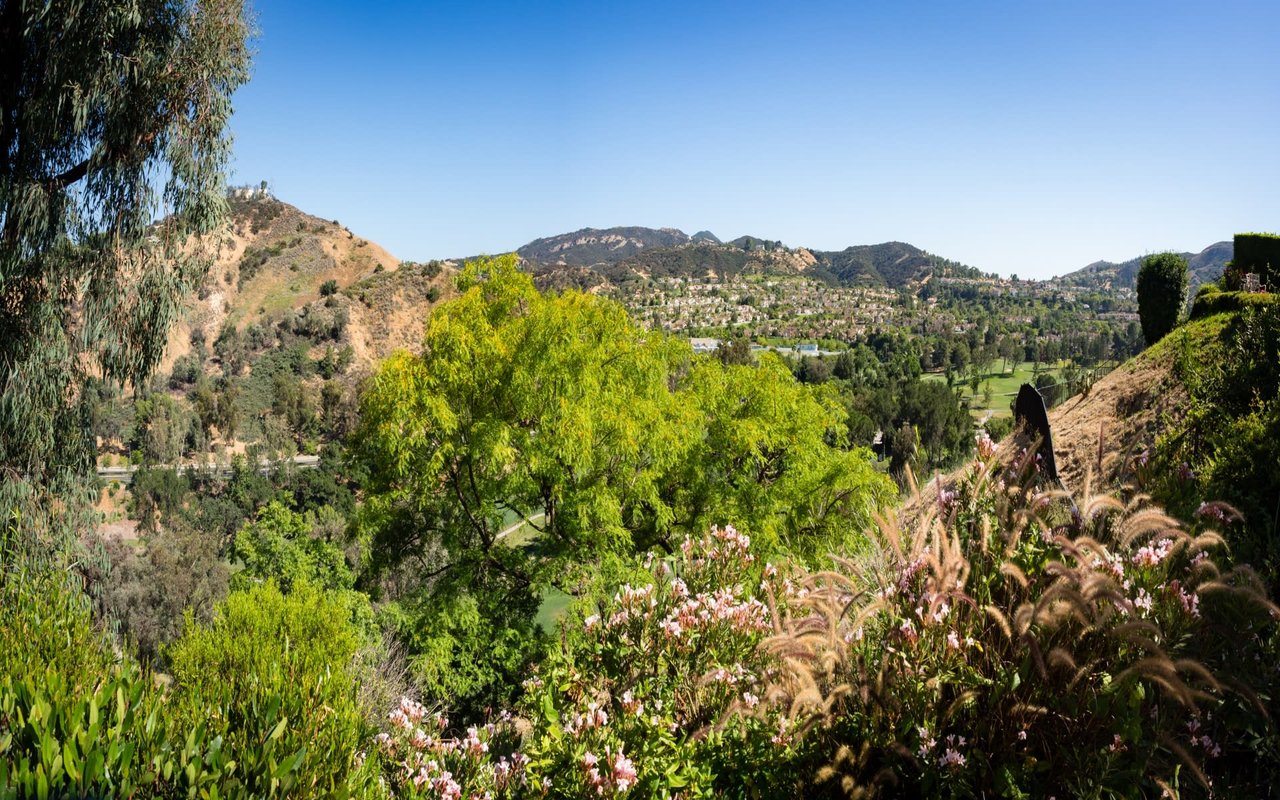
(1003, 646)
(280, 545)
(998, 427)
(329, 287)
(432, 763)
(1260, 253)
(1219, 302)
(76, 720)
(650, 693)
(1162, 291)
(273, 677)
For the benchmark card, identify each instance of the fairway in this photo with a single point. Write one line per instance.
(1004, 386)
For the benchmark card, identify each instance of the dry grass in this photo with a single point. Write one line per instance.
(1045, 589)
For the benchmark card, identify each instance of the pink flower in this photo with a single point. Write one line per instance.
(986, 447)
(624, 772)
(951, 758)
(1143, 600)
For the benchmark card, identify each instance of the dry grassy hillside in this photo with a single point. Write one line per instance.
(1099, 433)
(272, 260)
(1096, 435)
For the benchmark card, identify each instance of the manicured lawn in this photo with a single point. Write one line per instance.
(554, 603)
(1004, 387)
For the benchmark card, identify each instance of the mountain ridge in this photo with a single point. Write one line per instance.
(1202, 267)
(591, 256)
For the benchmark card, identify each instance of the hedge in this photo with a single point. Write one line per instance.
(1221, 302)
(1258, 252)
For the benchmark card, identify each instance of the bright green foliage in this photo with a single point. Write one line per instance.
(280, 544)
(109, 115)
(608, 438)
(1219, 302)
(1225, 445)
(471, 649)
(758, 455)
(78, 720)
(1162, 291)
(273, 675)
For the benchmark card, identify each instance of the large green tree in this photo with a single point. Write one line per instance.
(113, 115)
(608, 439)
(1162, 291)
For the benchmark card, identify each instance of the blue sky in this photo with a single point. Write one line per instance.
(1019, 137)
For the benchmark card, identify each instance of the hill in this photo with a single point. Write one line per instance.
(892, 264)
(1203, 267)
(590, 246)
(591, 257)
(275, 263)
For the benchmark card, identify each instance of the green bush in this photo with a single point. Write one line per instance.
(1260, 253)
(280, 545)
(1162, 291)
(1207, 289)
(1219, 302)
(274, 677)
(76, 720)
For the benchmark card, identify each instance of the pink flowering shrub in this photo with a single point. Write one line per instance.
(421, 757)
(658, 693)
(1009, 643)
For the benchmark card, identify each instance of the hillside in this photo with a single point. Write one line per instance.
(893, 264)
(590, 246)
(1118, 419)
(272, 261)
(1202, 267)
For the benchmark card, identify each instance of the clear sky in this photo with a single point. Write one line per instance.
(1020, 137)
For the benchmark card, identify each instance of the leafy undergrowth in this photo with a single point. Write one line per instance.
(1226, 444)
(1006, 644)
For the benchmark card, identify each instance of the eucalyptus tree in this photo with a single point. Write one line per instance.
(113, 143)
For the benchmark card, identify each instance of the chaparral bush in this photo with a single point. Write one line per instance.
(274, 676)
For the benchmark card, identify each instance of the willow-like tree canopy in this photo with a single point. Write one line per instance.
(113, 144)
(609, 438)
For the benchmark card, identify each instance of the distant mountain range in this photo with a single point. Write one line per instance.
(1203, 267)
(591, 256)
